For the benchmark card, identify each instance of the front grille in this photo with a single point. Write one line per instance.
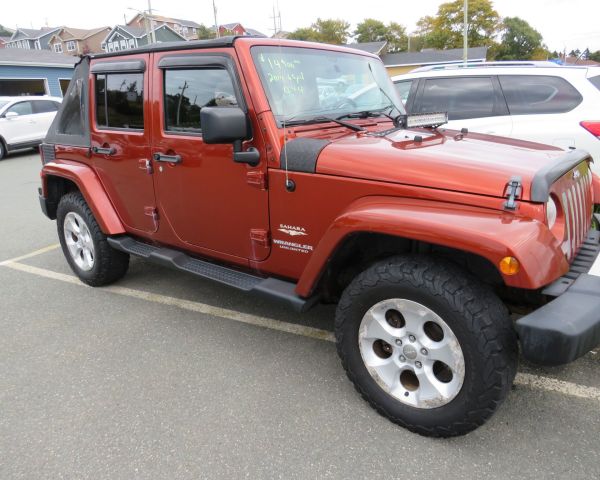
(576, 202)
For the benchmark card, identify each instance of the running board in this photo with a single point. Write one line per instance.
(269, 287)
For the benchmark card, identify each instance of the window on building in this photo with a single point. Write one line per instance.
(71, 46)
(461, 97)
(120, 100)
(188, 91)
(535, 94)
(58, 47)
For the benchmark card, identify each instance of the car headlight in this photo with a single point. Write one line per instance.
(551, 213)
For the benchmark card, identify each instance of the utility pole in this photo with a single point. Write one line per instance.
(465, 33)
(216, 24)
(152, 33)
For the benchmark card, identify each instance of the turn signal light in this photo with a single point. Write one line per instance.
(509, 266)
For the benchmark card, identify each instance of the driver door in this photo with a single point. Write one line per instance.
(207, 200)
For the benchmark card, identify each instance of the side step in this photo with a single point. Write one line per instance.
(269, 287)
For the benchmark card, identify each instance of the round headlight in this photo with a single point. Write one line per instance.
(551, 213)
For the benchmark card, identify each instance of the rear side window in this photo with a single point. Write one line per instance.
(535, 94)
(21, 108)
(188, 91)
(461, 97)
(44, 106)
(120, 100)
(71, 120)
(595, 81)
(403, 89)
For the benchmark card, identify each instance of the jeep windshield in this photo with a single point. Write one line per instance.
(308, 85)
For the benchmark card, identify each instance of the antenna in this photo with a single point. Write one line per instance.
(216, 23)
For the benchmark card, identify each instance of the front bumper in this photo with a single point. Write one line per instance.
(569, 326)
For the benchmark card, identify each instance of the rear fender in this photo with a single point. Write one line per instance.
(488, 233)
(90, 187)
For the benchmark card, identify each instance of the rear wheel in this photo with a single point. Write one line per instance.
(426, 345)
(84, 245)
(2, 149)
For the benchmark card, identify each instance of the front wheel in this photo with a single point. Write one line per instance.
(426, 345)
(84, 245)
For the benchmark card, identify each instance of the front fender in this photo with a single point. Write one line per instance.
(488, 233)
(90, 187)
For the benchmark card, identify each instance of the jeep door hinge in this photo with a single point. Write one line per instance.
(145, 164)
(153, 213)
(260, 237)
(257, 179)
(512, 193)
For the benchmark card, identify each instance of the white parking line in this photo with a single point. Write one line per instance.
(524, 379)
(35, 253)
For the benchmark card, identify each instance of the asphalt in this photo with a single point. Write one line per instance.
(105, 384)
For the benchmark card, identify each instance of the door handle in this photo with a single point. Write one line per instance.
(104, 150)
(161, 157)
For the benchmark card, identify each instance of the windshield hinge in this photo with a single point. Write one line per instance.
(512, 193)
(257, 179)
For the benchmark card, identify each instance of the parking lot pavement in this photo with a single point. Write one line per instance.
(164, 375)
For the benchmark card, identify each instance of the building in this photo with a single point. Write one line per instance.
(402, 62)
(34, 72)
(77, 41)
(30, 39)
(3, 41)
(185, 28)
(125, 37)
(237, 29)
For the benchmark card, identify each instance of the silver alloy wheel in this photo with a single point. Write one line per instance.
(79, 241)
(411, 353)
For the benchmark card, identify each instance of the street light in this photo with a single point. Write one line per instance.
(465, 32)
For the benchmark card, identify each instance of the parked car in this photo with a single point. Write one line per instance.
(423, 238)
(537, 101)
(24, 121)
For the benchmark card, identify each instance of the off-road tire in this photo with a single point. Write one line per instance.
(476, 316)
(109, 264)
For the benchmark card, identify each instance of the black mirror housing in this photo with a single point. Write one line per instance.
(223, 124)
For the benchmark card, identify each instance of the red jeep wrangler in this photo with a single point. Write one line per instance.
(291, 170)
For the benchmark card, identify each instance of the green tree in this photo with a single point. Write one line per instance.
(520, 41)
(371, 30)
(4, 32)
(205, 33)
(594, 56)
(445, 30)
(575, 53)
(325, 31)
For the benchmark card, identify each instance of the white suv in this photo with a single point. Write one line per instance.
(537, 101)
(24, 121)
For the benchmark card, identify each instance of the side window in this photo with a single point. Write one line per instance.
(44, 106)
(120, 100)
(595, 81)
(530, 94)
(403, 88)
(461, 97)
(21, 108)
(186, 92)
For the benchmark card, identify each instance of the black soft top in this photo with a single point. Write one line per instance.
(182, 45)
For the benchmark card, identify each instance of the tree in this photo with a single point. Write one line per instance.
(332, 31)
(594, 56)
(205, 33)
(520, 41)
(325, 31)
(575, 53)
(371, 30)
(445, 30)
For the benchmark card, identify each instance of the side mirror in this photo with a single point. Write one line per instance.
(10, 115)
(228, 125)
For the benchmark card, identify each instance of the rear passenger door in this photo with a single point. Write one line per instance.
(18, 124)
(120, 137)
(473, 102)
(540, 106)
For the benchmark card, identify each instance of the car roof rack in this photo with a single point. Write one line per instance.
(457, 66)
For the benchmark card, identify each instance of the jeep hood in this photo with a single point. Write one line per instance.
(472, 163)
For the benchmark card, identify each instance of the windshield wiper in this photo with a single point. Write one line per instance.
(351, 126)
(366, 114)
